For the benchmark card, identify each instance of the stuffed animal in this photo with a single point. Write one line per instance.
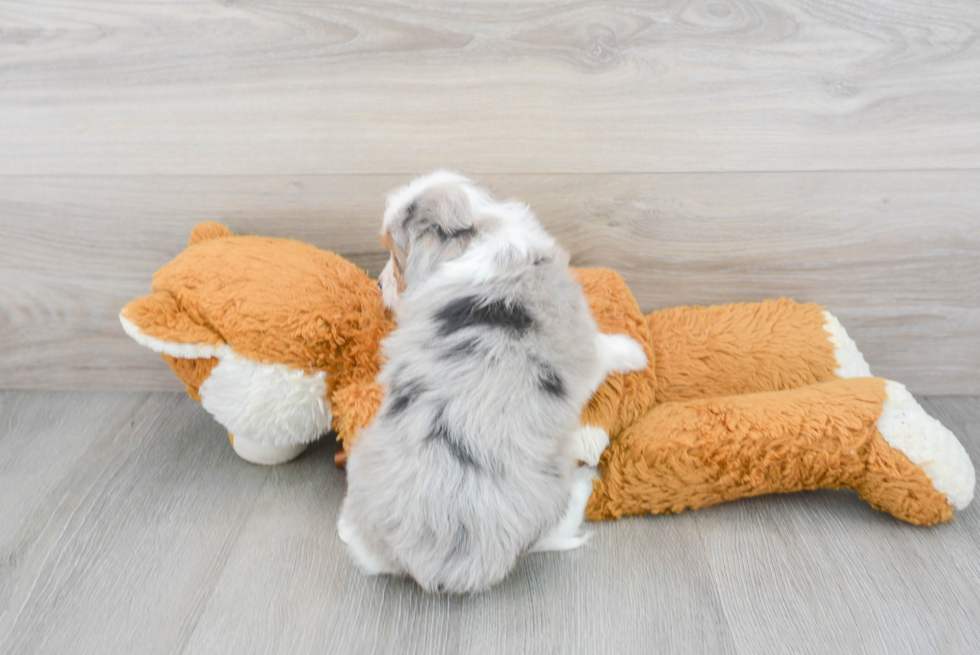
(280, 342)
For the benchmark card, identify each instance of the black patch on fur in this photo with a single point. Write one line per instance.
(442, 436)
(551, 470)
(550, 382)
(464, 233)
(403, 395)
(461, 542)
(470, 311)
(410, 212)
(460, 350)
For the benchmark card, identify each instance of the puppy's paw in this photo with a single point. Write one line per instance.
(567, 535)
(588, 444)
(367, 561)
(620, 353)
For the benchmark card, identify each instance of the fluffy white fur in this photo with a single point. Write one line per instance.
(567, 535)
(850, 361)
(619, 352)
(269, 404)
(928, 444)
(363, 556)
(470, 462)
(588, 444)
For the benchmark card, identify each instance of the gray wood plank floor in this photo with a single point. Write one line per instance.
(127, 525)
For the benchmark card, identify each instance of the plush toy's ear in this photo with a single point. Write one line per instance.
(208, 230)
(157, 322)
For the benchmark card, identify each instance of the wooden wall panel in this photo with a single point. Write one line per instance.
(307, 87)
(895, 254)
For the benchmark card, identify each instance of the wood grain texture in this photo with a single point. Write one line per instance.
(121, 553)
(289, 588)
(133, 527)
(42, 469)
(836, 576)
(896, 255)
(305, 87)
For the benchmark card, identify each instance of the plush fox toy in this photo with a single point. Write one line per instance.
(280, 341)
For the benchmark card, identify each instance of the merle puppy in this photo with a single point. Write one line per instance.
(471, 461)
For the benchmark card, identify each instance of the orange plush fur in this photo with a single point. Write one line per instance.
(738, 400)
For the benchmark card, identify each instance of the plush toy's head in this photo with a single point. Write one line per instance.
(262, 331)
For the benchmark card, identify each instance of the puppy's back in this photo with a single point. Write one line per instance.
(465, 467)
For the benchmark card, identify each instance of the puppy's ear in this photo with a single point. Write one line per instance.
(443, 212)
(438, 226)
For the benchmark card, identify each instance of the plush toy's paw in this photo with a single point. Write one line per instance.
(620, 353)
(567, 535)
(928, 444)
(258, 453)
(850, 361)
(588, 444)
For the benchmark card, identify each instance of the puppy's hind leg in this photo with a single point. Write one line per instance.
(368, 561)
(567, 534)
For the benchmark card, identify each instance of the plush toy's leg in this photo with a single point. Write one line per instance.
(863, 434)
(706, 352)
(267, 455)
(273, 411)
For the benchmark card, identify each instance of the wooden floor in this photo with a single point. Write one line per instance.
(129, 526)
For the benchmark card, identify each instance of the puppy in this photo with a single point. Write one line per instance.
(470, 462)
